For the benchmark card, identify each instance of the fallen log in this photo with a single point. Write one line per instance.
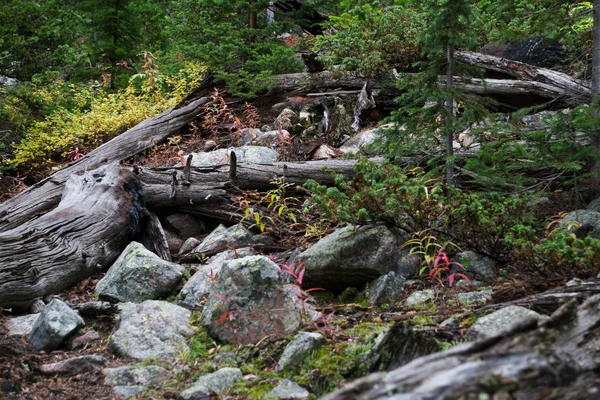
(96, 218)
(169, 187)
(46, 194)
(576, 90)
(554, 359)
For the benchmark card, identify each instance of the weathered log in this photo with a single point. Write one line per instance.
(548, 301)
(45, 195)
(554, 359)
(545, 83)
(96, 218)
(576, 90)
(168, 187)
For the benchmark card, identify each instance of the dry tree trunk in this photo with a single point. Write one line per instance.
(95, 220)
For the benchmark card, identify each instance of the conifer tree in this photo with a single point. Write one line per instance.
(450, 25)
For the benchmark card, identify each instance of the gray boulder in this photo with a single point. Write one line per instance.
(138, 275)
(386, 289)
(298, 349)
(353, 256)
(198, 286)
(185, 225)
(249, 301)
(54, 325)
(214, 383)
(288, 390)
(130, 380)
(419, 297)
(583, 223)
(478, 298)
(151, 329)
(21, 326)
(251, 154)
(498, 321)
(189, 245)
(223, 238)
(477, 266)
(360, 142)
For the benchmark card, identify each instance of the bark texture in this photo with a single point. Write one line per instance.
(46, 194)
(98, 214)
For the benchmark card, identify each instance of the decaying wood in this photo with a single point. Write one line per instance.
(530, 80)
(553, 359)
(98, 215)
(208, 184)
(46, 194)
(577, 90)
(153, 237)
(549, 301)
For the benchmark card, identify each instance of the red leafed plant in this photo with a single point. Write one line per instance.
(442, 270)
(226, 315)
(297, 272)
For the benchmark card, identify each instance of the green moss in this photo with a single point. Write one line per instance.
(423, 320)
(470, 320)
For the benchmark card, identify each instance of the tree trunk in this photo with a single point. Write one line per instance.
(449, 121)
(98, 214)
(595, 91)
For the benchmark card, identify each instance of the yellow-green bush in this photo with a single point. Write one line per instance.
(97, 116)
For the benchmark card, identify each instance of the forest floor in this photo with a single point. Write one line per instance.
(21, 378)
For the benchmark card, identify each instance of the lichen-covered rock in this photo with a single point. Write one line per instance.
(419, 297)
(477, 266)
(251, 154)
(57, 322)
(288, 390)
(583, 223)
(353, 256)
(298, 349)
(273, 138)
(249, 301)
(498, 321)
(151, 329)
(214, 383)
(223, 238)
(138, 275)
(386, 289)
(198, 286)
(130, 380)
(479, 297)
(21, 326)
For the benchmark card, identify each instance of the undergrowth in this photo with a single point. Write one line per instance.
(501, 227)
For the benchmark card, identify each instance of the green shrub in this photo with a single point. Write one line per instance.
(414, 201)
(88, 116)
(370, 39)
